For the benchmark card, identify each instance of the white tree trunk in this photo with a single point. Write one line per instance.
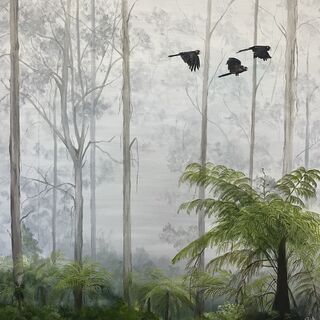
(199, 308)
(14, 148)
(289, 102)
(93, 135)
(55, 181)
(307, 138)
(78, 212)
(254, 92)
(126, 97)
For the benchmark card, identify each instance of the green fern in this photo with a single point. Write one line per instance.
(249, 225)
(90, 277)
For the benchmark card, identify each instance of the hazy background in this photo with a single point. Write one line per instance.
(165, 121)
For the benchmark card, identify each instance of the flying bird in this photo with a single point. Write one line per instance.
(189, 57)
(259, 52)
(235, 67)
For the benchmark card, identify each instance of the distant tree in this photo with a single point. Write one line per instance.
(14, 149)
(199, 309)
(290, 84)
(126, 99)
(68, 75)
(282, 302)
(178, 237)
(254, 92)
(93, 134)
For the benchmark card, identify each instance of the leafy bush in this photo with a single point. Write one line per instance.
(227, 312)
(28, 313)
(118, 312)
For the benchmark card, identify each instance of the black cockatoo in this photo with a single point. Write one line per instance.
(259, 52)
(235, 67)
(189, 57)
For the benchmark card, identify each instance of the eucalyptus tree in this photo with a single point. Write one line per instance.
(282, 302)
(93, 134)
(14, 148)
(69, 41)
(126, 99)
(290, 84)
(251, 225)
(254, 91)
(204, 133)
(203, 151)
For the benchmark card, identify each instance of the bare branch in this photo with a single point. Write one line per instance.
(95, 142)
(237, 120)
(26, 215)
(221, 17)
(109, 155)
(280, 27)
(266, 69)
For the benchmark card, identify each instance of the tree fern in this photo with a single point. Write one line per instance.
(250, 225)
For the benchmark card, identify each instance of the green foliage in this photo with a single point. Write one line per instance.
(30, 245)
(118, 311)
(90, 277)
(28, 313)
(249, 225)
(228, 312)
(162, 293)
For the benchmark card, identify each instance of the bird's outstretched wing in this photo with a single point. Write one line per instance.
(191, 59)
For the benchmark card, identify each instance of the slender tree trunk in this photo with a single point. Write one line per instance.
(149, 305)
(254, 93)
(93, 134)
(78, 298)
(281, 302)
(199, 306)
(78, 212)
(55, 182)
(307, 138)
(78, 294)
(14, 149)
(167, 308)
(289, 103)
(126, 97)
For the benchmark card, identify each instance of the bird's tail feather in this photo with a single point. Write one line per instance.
(225, 74)
(174, 55)
(245, 49)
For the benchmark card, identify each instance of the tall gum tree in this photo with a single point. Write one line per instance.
(126, 100)
(254, 92)
(281, 302)
(14, 149)
(199, 307)
(74, 95)
(93, 135)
